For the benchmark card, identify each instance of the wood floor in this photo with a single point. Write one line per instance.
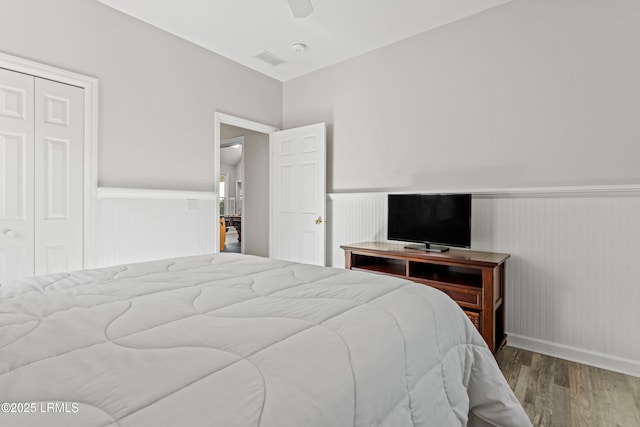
(231, 243)
(556, 392)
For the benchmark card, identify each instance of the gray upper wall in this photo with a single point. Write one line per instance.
(528, 94)
(158, 93)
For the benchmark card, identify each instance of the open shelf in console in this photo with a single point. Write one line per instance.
(447, 274)
(384, 265)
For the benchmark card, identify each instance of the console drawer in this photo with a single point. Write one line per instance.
(475, 319)
(466, 297)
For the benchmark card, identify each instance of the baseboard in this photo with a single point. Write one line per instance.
(586, 357)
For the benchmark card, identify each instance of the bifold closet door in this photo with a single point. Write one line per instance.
(59, 171)
(41, 176)
(16, 174)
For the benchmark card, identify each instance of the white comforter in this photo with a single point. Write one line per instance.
(231, 340)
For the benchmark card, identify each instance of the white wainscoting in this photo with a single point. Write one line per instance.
(573, 279)
(135, 225)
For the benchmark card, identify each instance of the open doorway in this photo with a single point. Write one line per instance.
(284, 206)
(243, 187)
(230, 196)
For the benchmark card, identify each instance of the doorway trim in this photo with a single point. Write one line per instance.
(90, 176)
(227, 119)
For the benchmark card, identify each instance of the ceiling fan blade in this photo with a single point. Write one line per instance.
(301, 8)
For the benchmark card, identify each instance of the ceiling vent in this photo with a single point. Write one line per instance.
(270, 58)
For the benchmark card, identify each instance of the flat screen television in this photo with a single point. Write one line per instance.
(435, 220)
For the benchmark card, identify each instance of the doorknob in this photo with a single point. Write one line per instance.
(10, 234)
(319, 220)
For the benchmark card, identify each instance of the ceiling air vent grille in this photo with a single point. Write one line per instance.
(270, 58)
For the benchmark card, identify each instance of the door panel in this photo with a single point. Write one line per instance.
(59, 170)
(298, 194)
(16, 174)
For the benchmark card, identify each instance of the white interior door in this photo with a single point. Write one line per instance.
(41, 176)
(298, 199)
(16, 175)
(59, 171)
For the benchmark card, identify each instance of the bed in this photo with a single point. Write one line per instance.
(235, 340)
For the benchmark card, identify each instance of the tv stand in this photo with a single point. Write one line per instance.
(473, 279)
(428, 247)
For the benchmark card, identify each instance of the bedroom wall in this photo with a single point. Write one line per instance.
(158, 93)
(255, 214)
(528, 94)
(144, 225)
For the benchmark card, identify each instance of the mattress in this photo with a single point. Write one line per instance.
(235, 340)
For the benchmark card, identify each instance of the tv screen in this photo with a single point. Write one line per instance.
(443, 219)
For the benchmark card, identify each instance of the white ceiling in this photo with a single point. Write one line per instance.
(337, 30)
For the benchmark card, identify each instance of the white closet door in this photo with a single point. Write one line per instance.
(16, 175)
(59, 146)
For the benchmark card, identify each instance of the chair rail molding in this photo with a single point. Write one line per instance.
(148, 193)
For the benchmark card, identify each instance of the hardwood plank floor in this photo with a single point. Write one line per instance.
(559, 393)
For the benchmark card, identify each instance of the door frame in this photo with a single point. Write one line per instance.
(228, 119)
(90, 175)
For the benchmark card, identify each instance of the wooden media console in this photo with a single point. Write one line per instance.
(473, 279)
